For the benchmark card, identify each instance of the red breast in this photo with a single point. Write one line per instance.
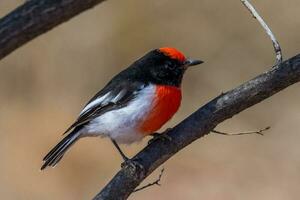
(165, 104)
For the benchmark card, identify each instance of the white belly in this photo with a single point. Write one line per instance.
(122, 124)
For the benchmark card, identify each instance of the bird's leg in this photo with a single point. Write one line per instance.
(119, 150)
(160, 136)
(134, 164)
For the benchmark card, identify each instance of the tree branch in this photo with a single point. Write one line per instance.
(36, 17)
(201, 123)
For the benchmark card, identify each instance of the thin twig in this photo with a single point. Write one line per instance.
(157, 182)
(276, 45)
(260, 132)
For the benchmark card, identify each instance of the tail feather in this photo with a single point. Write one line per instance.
(56, 154)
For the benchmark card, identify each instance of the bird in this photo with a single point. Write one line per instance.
(133, 104)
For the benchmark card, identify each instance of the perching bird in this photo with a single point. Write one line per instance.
(135, 103)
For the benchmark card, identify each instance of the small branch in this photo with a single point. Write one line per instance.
(259, 132)
(276, 45)
(157, 182)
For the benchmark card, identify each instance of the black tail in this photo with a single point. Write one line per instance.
(56, 154)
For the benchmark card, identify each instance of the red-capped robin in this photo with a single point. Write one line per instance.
(135, 103)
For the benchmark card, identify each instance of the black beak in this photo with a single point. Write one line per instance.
(191, 62)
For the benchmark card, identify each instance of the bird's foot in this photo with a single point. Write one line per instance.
(160, 136)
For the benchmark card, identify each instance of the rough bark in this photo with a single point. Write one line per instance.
(36, 17)
(201, 123)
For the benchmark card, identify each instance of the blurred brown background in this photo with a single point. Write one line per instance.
(44, 85)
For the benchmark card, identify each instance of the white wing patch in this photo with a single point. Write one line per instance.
(98, 101)
(118, 96)
(103, 100)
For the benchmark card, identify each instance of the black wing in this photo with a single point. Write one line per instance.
(111, 97)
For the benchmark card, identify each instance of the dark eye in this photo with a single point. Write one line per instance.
(170, 65)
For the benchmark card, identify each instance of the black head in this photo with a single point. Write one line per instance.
(164, 66)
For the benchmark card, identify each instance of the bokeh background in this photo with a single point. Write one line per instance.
(44, 85)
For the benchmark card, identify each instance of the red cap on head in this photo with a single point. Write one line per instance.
(173, 53)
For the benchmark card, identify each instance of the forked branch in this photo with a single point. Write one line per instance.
(156, 182)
